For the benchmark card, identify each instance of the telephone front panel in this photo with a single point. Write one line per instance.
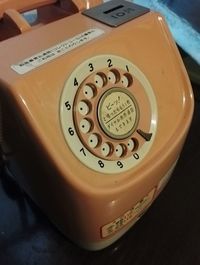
(95, 107)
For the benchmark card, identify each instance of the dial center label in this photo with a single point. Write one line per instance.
(118, 113)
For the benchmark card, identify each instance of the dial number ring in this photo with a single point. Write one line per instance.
(126, 148)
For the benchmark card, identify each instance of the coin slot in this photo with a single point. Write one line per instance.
(113, 9)
(115, 12)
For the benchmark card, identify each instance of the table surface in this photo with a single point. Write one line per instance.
(168, 233)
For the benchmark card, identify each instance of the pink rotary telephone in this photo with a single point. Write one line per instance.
(95, 107)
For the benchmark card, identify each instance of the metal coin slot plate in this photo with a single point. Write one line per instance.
(116, 12)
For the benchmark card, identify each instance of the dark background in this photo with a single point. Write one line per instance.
(189, 10)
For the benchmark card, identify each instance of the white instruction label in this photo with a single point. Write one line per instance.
(50, 54)
(131, 214)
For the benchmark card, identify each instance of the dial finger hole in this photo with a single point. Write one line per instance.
(113, 76)
(89, 91)
(100, 80)
(120, 150)
(132, 144)
(106, 149)
(93, 140)
(85, 126)
(127, 80)
(83, 108)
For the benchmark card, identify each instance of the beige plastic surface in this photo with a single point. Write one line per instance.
(80, 201)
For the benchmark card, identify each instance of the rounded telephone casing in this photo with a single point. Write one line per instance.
(95, 202)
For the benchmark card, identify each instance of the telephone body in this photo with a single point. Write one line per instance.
(95, 109)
